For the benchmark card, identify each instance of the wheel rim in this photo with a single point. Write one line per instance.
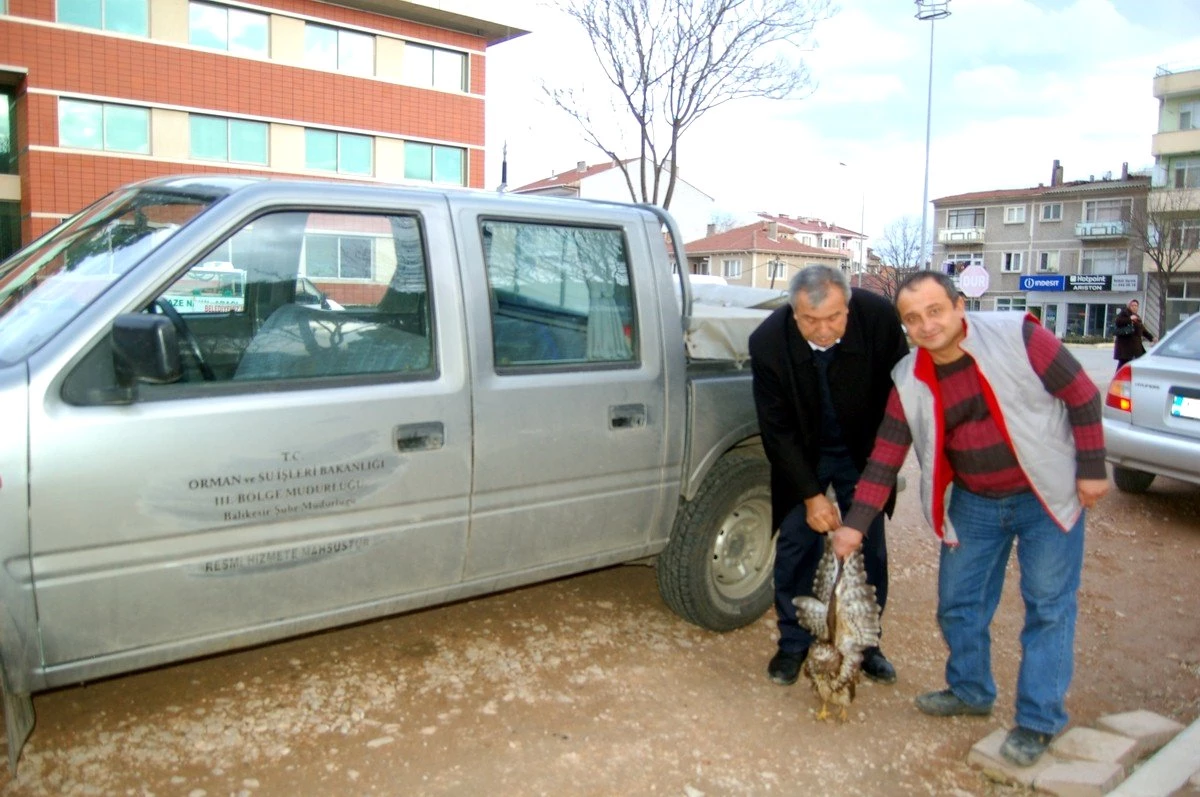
(742, 551)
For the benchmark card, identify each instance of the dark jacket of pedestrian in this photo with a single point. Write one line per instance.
(1127, 343)
(790, 408)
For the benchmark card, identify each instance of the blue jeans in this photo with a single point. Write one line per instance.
(970, 579)
(798, 551)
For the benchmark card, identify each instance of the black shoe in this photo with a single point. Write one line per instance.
(876, 666)
(784, 668)
(947, 704)
(1024, 747)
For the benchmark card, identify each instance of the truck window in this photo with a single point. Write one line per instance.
(560, 295)
(294, 298)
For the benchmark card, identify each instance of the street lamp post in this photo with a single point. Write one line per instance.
(862, 228)
(931, 10)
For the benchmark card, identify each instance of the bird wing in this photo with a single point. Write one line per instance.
(827, 572)
(810, 612)
(856, 625)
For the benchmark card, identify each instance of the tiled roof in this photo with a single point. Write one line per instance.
(570, 177)
(1133, 182)
(754, 238)
(804, 224)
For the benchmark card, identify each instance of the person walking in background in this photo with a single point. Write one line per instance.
(822, 375)
(1129, 333)
(1007, 431)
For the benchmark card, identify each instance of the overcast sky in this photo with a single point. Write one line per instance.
(1016, 84)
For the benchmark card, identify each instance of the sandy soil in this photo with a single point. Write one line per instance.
(590, 686)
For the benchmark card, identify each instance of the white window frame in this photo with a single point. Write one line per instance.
(1011, 304)
(731, 268)
(1119, 259)
(956, 216)
(1014, 214)
(1048, 261)
(777, 269)
(970, 258)
(1101, 209)
(1012, 262)
(1189, 115)
(1048, 213)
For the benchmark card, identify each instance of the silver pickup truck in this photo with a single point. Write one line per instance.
(237, 409)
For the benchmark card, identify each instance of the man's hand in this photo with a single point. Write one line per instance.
(821, 514)
(1090, 491)
(846, 541)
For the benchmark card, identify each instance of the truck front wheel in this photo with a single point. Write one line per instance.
(716, 569)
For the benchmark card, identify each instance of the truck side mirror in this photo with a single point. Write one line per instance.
(145, 349)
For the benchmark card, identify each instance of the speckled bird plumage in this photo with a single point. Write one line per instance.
(844, 619)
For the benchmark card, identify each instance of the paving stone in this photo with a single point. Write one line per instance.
(1151, 731)
(985, 756)
(1079, 778)
(1088, 744)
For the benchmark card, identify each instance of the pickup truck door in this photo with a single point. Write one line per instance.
(326, 479)
(570, 420)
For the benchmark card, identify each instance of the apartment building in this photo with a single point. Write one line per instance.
(1175, 190)
(768, 252)
(98, 93)
(1065, 251)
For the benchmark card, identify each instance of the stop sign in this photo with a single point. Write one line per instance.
(973, 281)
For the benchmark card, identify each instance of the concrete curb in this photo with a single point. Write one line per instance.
(1168, 769)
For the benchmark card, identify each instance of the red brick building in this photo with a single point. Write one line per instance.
(103, 92)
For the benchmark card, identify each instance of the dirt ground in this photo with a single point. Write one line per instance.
(590, 686)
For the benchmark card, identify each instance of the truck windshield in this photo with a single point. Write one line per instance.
(45, 285)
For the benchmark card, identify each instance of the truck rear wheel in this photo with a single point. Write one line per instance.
(716, 570)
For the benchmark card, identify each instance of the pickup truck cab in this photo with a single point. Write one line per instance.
(239, 409)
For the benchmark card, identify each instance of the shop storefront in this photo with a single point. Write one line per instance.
(1078, 305)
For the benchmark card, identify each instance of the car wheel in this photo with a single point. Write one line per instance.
(716, 570)
(1129, 480)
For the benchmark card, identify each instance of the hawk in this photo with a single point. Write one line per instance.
(844, 619)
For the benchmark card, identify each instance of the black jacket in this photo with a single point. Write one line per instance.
(1129, 346)
(788, 400)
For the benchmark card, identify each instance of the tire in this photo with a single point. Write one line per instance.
(717, 568)
(1129, 480)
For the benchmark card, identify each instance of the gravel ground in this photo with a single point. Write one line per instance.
(590, 686)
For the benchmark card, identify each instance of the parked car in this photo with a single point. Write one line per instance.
(508, 390)
(1152, 413)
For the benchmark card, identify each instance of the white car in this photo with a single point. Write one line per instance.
(1152, 413)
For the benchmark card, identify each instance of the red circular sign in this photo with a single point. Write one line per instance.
(973, 281)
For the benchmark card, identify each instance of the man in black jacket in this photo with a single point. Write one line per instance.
(822, 375)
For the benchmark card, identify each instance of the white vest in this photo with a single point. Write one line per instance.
(1036, 421)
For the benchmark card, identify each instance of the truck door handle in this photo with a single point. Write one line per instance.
(627, 416)
(420, 436)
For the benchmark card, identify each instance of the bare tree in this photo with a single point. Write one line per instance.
(1166, 232)
(722, 221)
(900, 252)
(668, 62)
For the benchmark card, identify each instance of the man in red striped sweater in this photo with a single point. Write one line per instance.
(1006, 428)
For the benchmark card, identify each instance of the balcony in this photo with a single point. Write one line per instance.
(1174, 201)
(961, 235)
(1175, 142)
(1100, 230)
(1172, 82)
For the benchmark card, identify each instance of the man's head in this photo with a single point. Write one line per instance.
(932, 311)
(820, 299)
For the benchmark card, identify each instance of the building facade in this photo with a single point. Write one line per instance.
(764, 254)
(691, 208)
(1175, 193)
(1066, 252)
(99, 93)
